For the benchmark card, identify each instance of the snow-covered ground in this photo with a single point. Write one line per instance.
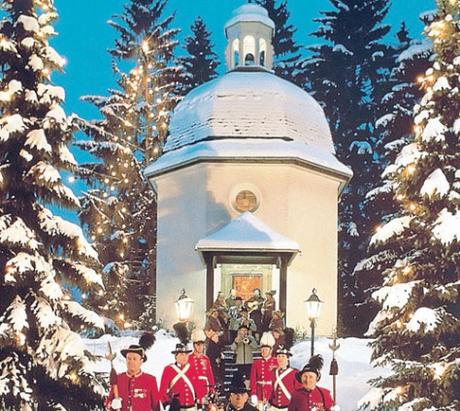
(353, 358)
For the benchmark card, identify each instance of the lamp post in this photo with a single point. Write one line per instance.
(313, 307)
(184, 307)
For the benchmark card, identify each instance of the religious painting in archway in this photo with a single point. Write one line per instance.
(244, 284)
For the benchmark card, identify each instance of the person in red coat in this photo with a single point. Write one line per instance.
(134, 390)
(202, 367)
(284, 381)
(260, 380)
(311, 397)
(179, 381)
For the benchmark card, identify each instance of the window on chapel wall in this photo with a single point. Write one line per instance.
(249, 50)
(236, 52)
(262, 51)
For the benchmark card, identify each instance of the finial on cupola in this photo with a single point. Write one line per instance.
(249, 33)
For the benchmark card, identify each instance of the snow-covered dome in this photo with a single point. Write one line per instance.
(249, 113)
(250, 13)
(249, 102)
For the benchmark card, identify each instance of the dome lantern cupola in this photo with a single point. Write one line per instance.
(249, 33)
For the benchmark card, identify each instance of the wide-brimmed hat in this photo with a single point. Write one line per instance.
(283, 350)
(211, 310)
(270, 292)
(136, 349)
(278, 314)
(314, 365)
(181, 348)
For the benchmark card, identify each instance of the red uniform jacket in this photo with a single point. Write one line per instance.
(203, 371)
(284, 384)
(303, 400)
(139, 392)
(261, 377)
(183, 387)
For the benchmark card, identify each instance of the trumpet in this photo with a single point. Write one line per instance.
(246, 340)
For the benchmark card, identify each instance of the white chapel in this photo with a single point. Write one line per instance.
(248, 187)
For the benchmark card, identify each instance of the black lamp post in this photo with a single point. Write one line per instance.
(313, 307)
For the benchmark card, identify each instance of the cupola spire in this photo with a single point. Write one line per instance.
(249, 33)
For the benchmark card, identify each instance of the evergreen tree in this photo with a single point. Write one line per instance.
(416, 330)
(394, 128)
(343, 74)
(43, 361)
(119, 211)
(201, 63)
(286, 51)
(147, 41)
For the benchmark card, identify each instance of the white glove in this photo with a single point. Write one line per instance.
(254, 399)
(335, 408)
(116, 404)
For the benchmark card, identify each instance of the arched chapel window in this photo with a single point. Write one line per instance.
(236, 52)
(262, 51)
(249, 50)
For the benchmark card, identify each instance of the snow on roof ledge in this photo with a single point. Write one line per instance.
(238, 149)
(247, 233)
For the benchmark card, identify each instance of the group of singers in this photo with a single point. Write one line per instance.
(188, 383)
(240, 324)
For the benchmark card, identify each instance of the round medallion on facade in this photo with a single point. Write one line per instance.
(245, 197)
(246, 200)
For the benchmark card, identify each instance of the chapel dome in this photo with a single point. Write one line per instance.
(249, 103)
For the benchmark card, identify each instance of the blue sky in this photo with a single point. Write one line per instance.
(84, 38)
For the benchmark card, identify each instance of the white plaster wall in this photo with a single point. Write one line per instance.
(297, 202)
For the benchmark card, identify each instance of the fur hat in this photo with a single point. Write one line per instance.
(267, 340)
(238, 386)
(314, 365)
(198, 335)
(136, 349)
(181, 348)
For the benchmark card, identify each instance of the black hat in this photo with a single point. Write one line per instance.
(181, 348)
(238, 386)
(283, 350)
(314, 365)
(238, 298)
(136, 349)
(244, 326)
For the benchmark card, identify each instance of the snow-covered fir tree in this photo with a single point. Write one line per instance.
(394, 129)
(343, 74)
(119, 211)
(416, 330)
(147, 42)
(44, 364)
(286, 58)
(201, 61)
